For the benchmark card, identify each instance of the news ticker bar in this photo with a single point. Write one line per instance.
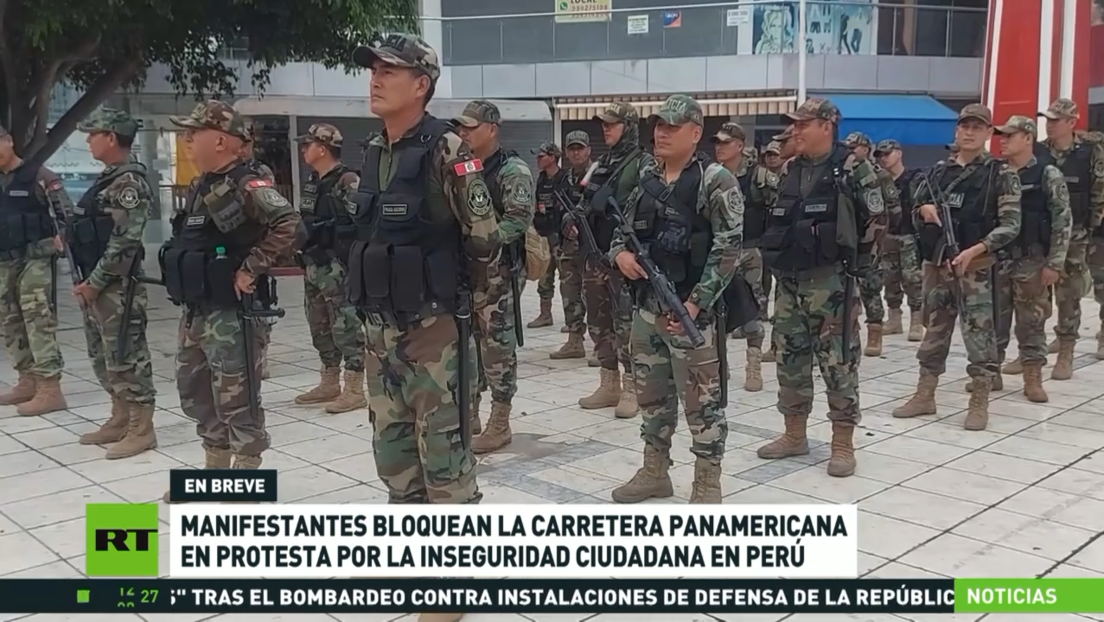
(400, 596)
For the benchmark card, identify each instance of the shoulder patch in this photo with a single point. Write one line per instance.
(479, 197)
(522, 193)
(468, 167)
(1098, 168)
(273, 198)
(258, 183)
(128, 198)
(56, 185)
(874, 201)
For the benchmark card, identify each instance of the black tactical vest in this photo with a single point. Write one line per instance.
(668, 224)
(1035, 221)
(211, 239)
(326, 218)
(608, 179)
(972, 201)
(801, 229)
(24, 218)
(1077, 169)
(904, 192)
(755, 213)
(406, 263)
(547, 215)
(92, 225)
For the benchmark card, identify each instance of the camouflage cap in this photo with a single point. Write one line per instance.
(730, 131)
(618, 112)
(548, 148)
(1018, 123)
(478, 112)
(110, 120)
(857, 139)
(774, 147)
(577, 137)
(323, 134)
(785, 135)
(887, 146)
(401, 50)
(815, 108)
(215, 115)
(1061, 108)
(680, 109)
(976, 111)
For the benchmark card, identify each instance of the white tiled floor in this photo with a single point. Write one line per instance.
(1024, 498)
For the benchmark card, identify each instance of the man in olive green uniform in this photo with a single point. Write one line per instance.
(572, 257)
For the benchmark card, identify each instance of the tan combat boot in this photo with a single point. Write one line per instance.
(565, 330)
(214, 459)
(771, 355)
(23, 391)
(353, 396)
(594, 362)
(498, 434)
(651, 480)
(977, 418)
(114, 429)
(1033, 383)
(608, 393)
(573, 349)
(140, 435)
(328, 389)
(1053, 346)
(916, 327)
(1063, 367)
(793, 441)
(922, 402)
(997, 383)
(707, 482)
(873, 340)
(842, 461)
(627, 406)
(1100, 346)
(1013, 367)
(247, 462)
(894, 325)
(545, 317)
(753, 375)
(48, 398)
(440, 617)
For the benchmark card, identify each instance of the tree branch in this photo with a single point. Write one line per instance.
(107, 84)
(11, 83)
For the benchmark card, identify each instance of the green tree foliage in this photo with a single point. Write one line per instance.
(100, 46)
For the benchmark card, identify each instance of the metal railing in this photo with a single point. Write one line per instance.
(714, 30)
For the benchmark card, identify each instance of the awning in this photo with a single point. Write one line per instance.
(909, 119)
(358, 108)
(713, 105)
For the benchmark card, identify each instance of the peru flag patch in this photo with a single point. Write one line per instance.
(259, 183)
(469, 167)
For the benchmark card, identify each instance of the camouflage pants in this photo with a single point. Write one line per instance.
(808, 324)
(494, 314)
(870, 290)
(751, 268)
(1020, 289)
(130, 379)
(901, 272)
(610, 322)
(27, 317)
(210, 376)
(940, 312)
(667, 368)
(571, 287)
(1096, 268)
(336, 330)
(1069, 290)
(413, 380)
(546, 287)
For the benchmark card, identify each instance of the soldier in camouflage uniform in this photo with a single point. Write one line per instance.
(984, 196)
(571, 260)
(772, 157)
(901, 256)
(826, 228)
(609, 309)
(336, 330)
(262, 170)
(234, 227)
(414, 369)
(779, 151)
(700, 260)
(29, 249)
(546, 219)
(870, 285)
(105, 235)
(511, 185)
(759, 187)
(1035, 259)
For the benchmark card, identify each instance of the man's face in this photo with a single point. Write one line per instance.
(1014, 144)
(972, 134)
(313, 152)
(545, 161)
(578, 155)
(728, 150)
(1060, 128)
(479, 137)
(395, 88)
(810, 135)
(612, 132)
(209, 147)
(100, 144)
(888, 159)
(773, 161)
(7, 149)
(675, 140)
(861, 152)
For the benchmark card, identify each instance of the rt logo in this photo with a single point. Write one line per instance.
(121, 540)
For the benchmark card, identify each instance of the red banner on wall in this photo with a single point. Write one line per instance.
(1096, 57)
